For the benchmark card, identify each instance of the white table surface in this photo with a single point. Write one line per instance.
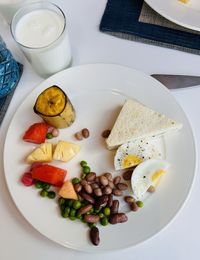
(180, 240)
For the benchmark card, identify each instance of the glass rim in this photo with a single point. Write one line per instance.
(24, 8)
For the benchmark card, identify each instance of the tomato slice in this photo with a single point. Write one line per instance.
(50, 174)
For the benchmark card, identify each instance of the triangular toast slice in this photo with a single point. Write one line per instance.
(136, 121)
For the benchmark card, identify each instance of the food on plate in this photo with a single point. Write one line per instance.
(84, 133)
(36, 133)
(105, 133)
(146, 175)
(50, 174)
(65, 151)
(136, 121)
(55, 108)
(67, 191)
(27, 179)
(43, 153)
(134, 152)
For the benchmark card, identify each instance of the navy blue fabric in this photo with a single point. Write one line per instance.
(121, 16)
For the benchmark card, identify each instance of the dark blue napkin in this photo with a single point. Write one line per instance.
(121, 18)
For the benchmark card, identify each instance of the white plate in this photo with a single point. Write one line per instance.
(97, 93)
(186, 15)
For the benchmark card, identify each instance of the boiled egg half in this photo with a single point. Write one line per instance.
(134, 152)
(147, 174)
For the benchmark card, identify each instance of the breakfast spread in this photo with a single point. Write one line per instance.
(96, 198)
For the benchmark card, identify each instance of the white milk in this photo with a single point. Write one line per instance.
(9, 7)
(43, 38)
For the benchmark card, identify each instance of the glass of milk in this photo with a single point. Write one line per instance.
(40, 30)
(9, 7)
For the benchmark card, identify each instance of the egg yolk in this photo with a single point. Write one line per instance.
(131, 160)
(157, 174)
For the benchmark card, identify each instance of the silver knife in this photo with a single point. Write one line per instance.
(177, 81)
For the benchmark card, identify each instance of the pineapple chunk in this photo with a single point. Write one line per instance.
(67, 191)
(65, 151)
(41, 154)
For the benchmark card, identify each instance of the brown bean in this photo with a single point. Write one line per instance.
(117, 192)
(97, 180)
(105, 133)
(111, 184)
(151, 189)
(122, 186)
(129, 199)
(84, 182)
(78, 136)
(133, 206)
(108, 175)
(107, 190)
(103, 180)
(88, 188)
(89, 218)
(94, 236)
(110, 200)
(85, 132)
(77, 187)
(90, 176)
(116, 180)
(101, 202)
(115, 207)
(127, 175)
(85, 209)
(94, 185)
(87, 197)
(118, 218)
(98, 192)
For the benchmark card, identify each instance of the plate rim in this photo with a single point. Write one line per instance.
(157, 232)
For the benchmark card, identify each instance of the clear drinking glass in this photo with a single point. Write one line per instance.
(55, 55)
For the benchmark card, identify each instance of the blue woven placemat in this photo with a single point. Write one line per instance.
(122, 18)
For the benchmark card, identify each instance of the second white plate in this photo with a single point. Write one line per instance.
(186, 15)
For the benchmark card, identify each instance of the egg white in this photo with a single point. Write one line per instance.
(142, 176)
(143, 148)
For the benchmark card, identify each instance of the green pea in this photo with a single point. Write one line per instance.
(46, 186)
(91, 225)
(76, 204)
(49, 136)
(62, 207)
(44, 193)
(104, 221)
(86, 169)
(72, 213)
(65, 212)
(69, 203)
(106, 211)
(61, 201)
(75, 180)
(38, 184)
(96, 211)
(51, 194)
(79, 216)
(72, 217)
(83, 163)
(139, 203)
(101, 215)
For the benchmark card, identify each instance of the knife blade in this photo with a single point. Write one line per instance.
(177, 81)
